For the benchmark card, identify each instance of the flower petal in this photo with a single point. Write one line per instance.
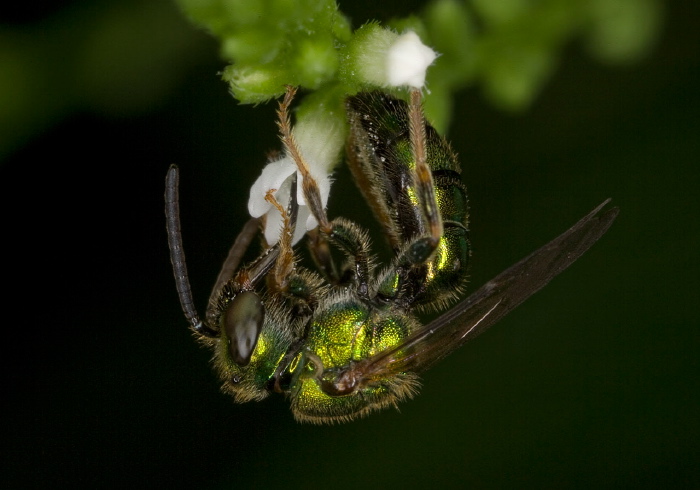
(273, 176)
(273, 218)
(407, 61)
(302, 217)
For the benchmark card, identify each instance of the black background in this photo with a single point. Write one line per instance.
(592, 383)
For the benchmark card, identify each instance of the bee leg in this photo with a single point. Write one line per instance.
(235, 308)
(422, 174)
(284, 266)
(354, 243)
(281, 256)
(402, 283)
(244, 281)
(284, 278)
(321, 255)
(310, 188)
(342, 233)
(235, 254)
(403, 280)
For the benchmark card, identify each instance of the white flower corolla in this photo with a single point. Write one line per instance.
(408, 60)
(319, 140)
(385, 58)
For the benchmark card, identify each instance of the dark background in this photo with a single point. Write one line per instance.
(592, 383)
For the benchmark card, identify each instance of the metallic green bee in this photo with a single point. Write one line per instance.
(345, 341)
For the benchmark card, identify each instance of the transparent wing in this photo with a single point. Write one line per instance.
(493, 300)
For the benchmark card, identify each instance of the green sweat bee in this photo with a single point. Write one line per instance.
(345, 340)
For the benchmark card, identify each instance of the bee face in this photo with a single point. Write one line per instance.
(344, 340)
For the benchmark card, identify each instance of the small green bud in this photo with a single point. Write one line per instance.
(252, 85)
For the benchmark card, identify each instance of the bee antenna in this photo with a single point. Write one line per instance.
(177, 253)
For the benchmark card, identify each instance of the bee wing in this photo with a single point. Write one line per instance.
(493, 300)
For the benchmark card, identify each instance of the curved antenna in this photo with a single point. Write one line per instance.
(177, 253)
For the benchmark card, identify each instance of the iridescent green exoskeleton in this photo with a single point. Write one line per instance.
(345, 340)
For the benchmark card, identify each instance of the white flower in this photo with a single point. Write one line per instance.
(407, 61)
(384, 58)
(319, 140)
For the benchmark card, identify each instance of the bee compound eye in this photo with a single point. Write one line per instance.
(243, 322)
